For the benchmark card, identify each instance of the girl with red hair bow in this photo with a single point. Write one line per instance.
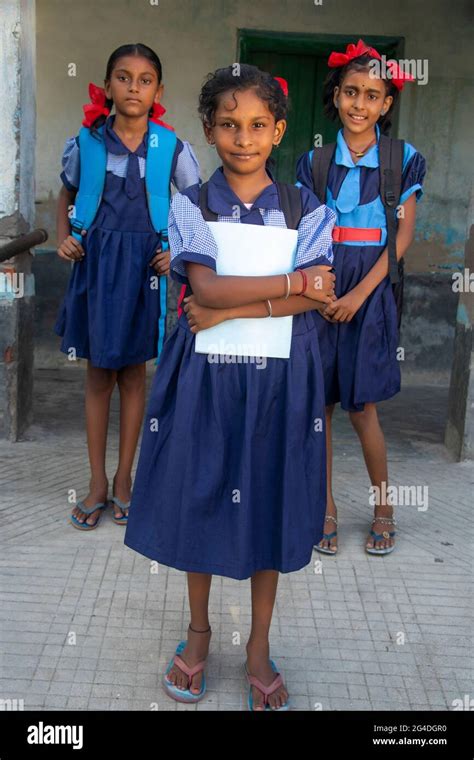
(110, 314)
(358, 332)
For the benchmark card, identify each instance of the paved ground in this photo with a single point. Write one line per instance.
(365, 633)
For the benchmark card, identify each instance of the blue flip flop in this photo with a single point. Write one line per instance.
(184, 695)
(327, 537)
(266, 690)
(123, 519)
(381, 536)
(83, 525)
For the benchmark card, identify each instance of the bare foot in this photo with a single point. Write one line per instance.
(196, 649)
(380, 527)
(122, 489)
(97, 493)
(258, 665)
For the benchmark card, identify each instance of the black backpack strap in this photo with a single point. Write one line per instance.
(391, 163)
(290, 203)
(209, 216)
(320, 164)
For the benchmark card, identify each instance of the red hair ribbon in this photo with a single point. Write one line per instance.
(352, 51)
(159, 110)
(97, 107)
(398, 77)
(283, 84)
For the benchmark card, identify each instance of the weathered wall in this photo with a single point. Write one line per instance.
(17, 177)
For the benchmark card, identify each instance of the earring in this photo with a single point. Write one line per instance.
(382, 113)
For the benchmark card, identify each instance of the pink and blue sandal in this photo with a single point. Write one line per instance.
(266, 690)
(84, 525)
(184, 695)
(123, 519)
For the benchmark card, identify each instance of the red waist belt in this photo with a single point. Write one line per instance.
(356, 234)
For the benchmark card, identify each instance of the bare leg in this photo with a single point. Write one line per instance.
(131, 381)
(100, 383)
(264, 585)
(372, 439)
(197, 647)
(331, 511)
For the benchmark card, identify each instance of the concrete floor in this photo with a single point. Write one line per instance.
(85, 625)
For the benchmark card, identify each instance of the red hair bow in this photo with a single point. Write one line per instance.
(158, 111)
(352, 51)
(96, 107)
(283, 84)
(398, 77)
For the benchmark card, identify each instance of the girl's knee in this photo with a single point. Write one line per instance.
(362, 419)
(101, 380)
(132, 378)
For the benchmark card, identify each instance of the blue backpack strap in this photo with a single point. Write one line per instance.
(92, 178)
(159, 159)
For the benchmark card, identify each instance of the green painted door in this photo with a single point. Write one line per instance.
(302, 61)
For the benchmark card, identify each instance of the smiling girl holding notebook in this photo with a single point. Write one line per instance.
(231, 477)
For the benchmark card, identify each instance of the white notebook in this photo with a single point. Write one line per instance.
(251, 250)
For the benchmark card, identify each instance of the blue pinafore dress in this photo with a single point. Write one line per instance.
(111, 309)
(360, 357)
(231, 477)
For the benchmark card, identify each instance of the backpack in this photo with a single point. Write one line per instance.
(290, 202)
(160, 154)
(390, 165)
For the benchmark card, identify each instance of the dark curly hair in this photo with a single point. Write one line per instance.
(131, 49)
(337, 75)
(239, 77)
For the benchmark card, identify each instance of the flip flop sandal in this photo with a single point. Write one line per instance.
(380, 536)
(184, 695)
(123, 519)
(266, 690)
(327, 537)
(84, 525)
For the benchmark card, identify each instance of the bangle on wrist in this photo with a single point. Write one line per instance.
(269, 307)
(288, 286)
(305, 282)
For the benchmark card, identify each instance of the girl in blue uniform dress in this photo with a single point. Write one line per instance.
(110, 313)
(358, 332)
(231, 473)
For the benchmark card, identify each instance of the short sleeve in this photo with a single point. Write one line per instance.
(187, 168)
(190, 238)
(413, 174)
(70, 162)
(315, 233)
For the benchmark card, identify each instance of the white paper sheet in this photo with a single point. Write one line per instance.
(251, 250)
